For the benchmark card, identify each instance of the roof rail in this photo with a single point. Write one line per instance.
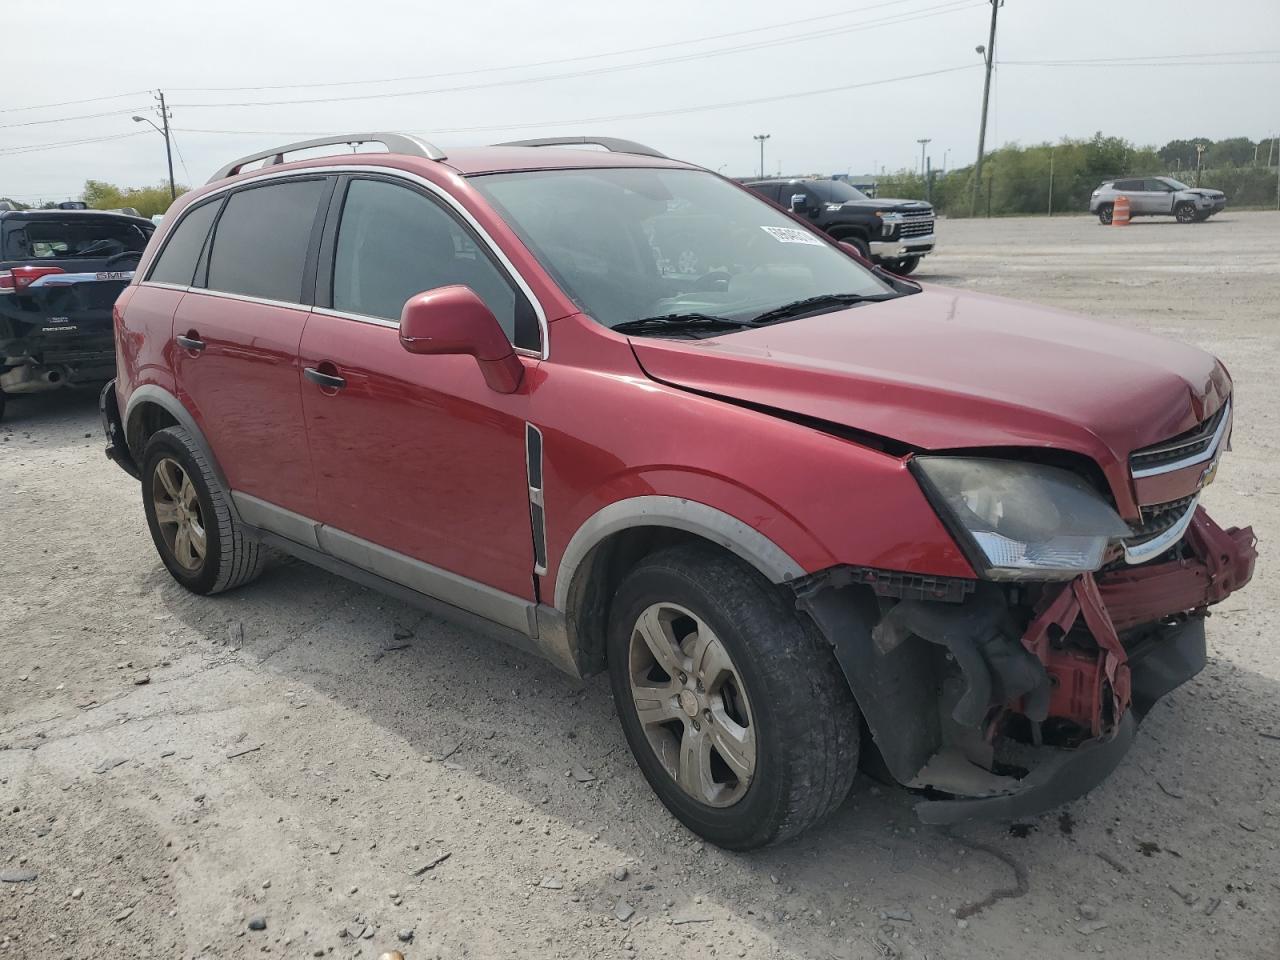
(394, 142)
(612, 144)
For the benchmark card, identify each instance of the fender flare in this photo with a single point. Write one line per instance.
(687, 515)
(152, 393)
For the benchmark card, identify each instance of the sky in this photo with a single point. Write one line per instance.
(838, 85)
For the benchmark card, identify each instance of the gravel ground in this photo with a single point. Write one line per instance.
(305, 751)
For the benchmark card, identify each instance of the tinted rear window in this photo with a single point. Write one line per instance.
(75, 238)
(260, 243)
(177, 262)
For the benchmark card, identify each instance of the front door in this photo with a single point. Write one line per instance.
(1159, 196)
(415, 454)
(236, 336)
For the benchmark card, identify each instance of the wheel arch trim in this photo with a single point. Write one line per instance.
(154, 394)
(679, 513)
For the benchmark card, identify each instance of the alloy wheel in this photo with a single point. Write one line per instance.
(692, 704)
(178, 514)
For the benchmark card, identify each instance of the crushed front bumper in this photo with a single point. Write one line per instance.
(1006, 704)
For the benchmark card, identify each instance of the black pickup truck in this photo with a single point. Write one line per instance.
(60, 274)
(895, 233)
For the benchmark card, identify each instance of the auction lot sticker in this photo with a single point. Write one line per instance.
(792, 235)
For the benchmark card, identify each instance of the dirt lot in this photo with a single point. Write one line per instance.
(305, 750)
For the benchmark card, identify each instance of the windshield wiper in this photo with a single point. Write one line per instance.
(670, 322)
(796, 308)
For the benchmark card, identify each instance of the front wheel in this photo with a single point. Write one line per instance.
(1186, 213)
(734, 706)
(904, 267)
(1104, 214)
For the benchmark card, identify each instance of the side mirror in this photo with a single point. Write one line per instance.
(453, 320)
(799, 203)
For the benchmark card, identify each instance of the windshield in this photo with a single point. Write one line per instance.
(1176, 184)
(627, 244)
(836, 191)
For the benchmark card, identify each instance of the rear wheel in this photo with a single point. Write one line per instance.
(1185, 213)
(733, 705)
(201, 544)
(1104, 213)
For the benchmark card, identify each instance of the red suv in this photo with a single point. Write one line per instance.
(625, 411)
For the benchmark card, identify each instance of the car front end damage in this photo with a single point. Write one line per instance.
(1009, 694)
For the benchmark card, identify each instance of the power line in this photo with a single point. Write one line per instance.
(69, 103)
(952, 6)
(83, 116)
(634, 116)
(32, 147)
(551, 63)
(1164, 56)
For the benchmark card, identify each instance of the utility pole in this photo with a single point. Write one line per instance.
(1051, 183)
(924, 142)
(163, 130)
(761, 137)
(1199, 157)
(989, 56)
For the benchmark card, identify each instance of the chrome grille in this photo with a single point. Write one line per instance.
(1159, 517)
(919, 225)
(1191, 446)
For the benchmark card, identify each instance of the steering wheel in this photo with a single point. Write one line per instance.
(716, 280)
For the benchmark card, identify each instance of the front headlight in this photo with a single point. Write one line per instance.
(1021, 521)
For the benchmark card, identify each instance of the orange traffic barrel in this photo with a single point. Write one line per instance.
(1120, 212)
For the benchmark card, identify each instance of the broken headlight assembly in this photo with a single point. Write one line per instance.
(1020, 521)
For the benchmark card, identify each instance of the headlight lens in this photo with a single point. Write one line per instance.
(1021, 521)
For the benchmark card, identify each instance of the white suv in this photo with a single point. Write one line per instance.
(1157, 196)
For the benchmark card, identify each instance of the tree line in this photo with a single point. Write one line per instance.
(1059, 177)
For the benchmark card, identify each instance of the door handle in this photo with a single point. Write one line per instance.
(194, 344)
(325, 380)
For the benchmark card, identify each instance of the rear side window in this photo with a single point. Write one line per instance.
(83, 238)
(260, 243)
(1128, 185)
(394, 242)
(177, 261)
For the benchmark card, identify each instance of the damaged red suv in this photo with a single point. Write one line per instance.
(623, 411)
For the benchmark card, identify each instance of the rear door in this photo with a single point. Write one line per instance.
(68, 271)
(236, 336)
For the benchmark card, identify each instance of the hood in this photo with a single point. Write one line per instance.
(1206, 192)
(888, 205)
(947, 369)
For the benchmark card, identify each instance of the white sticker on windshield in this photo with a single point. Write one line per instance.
(792, 235)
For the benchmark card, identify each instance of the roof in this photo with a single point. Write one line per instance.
(470, 161)
(64, 214)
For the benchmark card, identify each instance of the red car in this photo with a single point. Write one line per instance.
(621, 409)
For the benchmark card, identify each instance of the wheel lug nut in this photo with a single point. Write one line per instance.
(684, 678)
(707, 714)
(696, 725)
(700, 689)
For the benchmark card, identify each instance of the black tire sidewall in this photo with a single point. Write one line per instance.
(1185, 213)
(746, 823)
(162, 444)
(906, 266)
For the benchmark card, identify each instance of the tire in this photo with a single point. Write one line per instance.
(2, 404)
(1185, 213)
(772, 681)
(1104, 213)
(230, 558)
(905, 267)
(1202, 217)
(858, 244)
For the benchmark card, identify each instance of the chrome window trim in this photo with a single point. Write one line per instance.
(1148, 549)
(162, 285)
(357, 317)
(245, 298)
(268, 174)
(1209, 453)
